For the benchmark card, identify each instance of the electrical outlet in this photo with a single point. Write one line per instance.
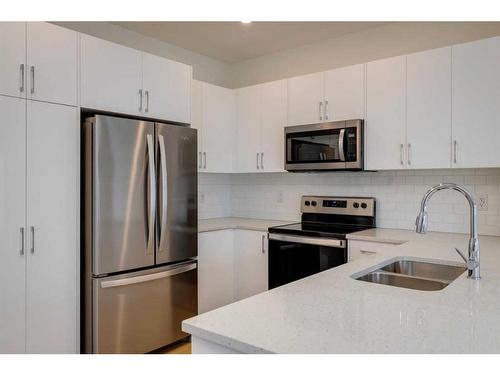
(483, 202)
(281, 197)
(202, 197)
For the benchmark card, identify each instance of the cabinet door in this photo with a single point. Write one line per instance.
(197, 116)
(12, 222)
(274, 112)
(52, 198)
(111, 76)
(167, 88)
(215, 270)
(218, 129)
(52, 55)
(385, 125)
(250, 263)
(476, 107)
(248, 120)
(428, 103)
(13, 58)
(345, 93)
(305, 99)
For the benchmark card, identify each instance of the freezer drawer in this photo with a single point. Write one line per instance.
(142, 311)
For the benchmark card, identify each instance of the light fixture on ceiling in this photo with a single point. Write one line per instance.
(246, 21)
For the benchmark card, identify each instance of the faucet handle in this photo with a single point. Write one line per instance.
(471, 264)
(461, 255)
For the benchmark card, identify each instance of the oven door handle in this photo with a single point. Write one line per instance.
(327, 242)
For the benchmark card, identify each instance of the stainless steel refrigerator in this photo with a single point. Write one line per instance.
(139, 233)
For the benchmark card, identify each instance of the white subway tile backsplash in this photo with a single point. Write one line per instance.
(398, 194)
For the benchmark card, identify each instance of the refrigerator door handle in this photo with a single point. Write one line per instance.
(146, 278)
(164, 183)
(152, 192)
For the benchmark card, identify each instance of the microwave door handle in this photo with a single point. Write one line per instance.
(341, 144)
(164, 191)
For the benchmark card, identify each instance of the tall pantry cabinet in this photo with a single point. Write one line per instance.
(39, 192)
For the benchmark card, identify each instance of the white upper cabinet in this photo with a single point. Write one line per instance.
(52, 61)
(13, 58)
(197, 116)
(305, 99)
(385, 125)
(218, 129)
(167, 88)
(248, 120)
(52, 221)
(428, 97)
(345, 93)
(476, 104)
(273, 117)
(12, 225)
(111, 76)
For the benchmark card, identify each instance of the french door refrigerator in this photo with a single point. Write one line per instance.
(140, 233)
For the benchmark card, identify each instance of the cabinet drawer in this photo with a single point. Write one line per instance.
(358, 249)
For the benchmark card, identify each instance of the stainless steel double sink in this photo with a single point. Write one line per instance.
(413, 274)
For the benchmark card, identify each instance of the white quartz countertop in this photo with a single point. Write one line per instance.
(208, 225)
(331, 312)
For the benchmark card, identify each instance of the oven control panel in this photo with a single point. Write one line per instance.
(358, 206)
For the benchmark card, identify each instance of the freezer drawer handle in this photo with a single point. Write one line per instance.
(146, 278)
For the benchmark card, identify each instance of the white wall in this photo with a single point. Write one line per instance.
(398, 195)
(205, 68)
(372, 44)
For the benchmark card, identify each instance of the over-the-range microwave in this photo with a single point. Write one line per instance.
(322, 147)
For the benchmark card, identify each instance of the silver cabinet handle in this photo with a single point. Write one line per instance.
(320, 110)
(140, 100)
(401, 150)
(152, 192)
(409, 153)
(261, 160)
(32, 230)
(341, 145)
(147, 100)
(257, 161)
(32, 69)
(263, 247)
(201, 162)
(455, 152)
(21, 78)
(164, 183)
(326, 110)
(367, 252)
(204, 160)
(21, 230)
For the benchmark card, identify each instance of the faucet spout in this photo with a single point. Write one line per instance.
(473, 265)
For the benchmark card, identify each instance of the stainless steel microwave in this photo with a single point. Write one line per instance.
(327, 146)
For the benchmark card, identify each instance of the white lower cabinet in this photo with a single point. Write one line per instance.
(39, 227)
(215, 269)
(250, 263)
(358, 249)
(232, 265)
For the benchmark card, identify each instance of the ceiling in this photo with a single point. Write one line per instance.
(235, 41)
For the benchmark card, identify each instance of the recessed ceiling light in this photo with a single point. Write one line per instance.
(246, 21)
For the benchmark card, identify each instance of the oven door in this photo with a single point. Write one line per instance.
(294, 257)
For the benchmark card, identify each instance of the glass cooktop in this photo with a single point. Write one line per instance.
(317, 229)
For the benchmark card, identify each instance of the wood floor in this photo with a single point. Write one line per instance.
(181, 347)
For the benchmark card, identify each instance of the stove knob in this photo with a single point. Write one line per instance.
(307, 203)
(313, 203)
(363, 205)
(355, 205)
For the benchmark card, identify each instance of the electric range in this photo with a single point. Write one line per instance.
(319, 241)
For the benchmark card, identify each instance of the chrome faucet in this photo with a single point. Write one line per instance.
(472, 261)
